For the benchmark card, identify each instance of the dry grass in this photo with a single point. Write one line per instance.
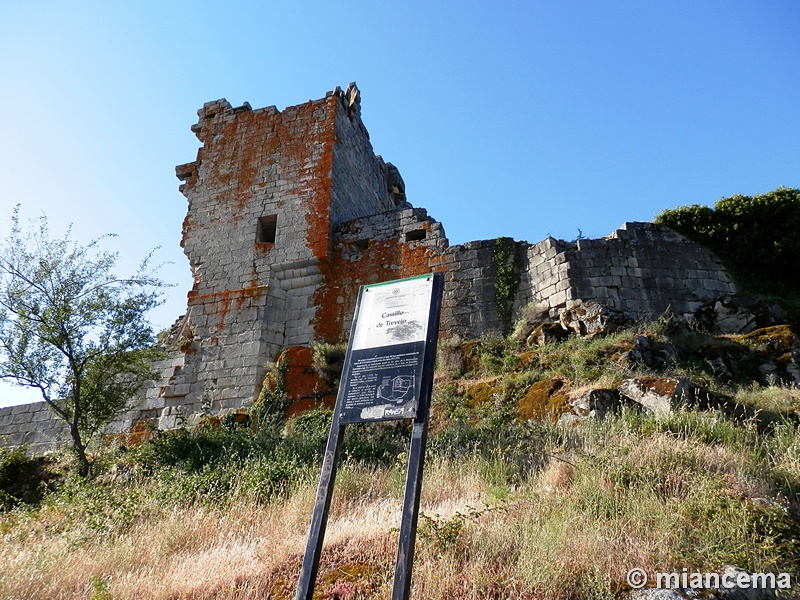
(247, 550)
(692, 489)
(183, 552)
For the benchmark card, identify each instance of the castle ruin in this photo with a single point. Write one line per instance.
(290, 211)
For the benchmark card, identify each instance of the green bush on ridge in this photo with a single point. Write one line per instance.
(755, 236)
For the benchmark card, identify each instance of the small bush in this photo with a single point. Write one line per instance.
(494, 355)
(100, 589)
(194, 450)
(269, 410)
(376, 443)
(328, 361)
(92, 507)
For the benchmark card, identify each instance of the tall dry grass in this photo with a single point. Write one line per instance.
(246, 550)
(622, 494)
(510, 510)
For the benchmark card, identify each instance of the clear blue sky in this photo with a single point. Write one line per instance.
(520, 119)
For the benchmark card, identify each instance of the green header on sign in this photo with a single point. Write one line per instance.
(396, 281)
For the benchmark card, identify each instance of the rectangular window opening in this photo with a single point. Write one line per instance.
(267, 226)
(416, 235)
(359, 245)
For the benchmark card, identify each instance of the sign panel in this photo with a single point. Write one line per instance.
(383, 370)
(388, 374)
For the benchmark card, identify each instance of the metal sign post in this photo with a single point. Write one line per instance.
(387, 375)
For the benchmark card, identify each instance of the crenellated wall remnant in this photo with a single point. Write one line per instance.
(290, 211)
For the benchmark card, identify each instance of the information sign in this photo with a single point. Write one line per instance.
(383, 372)
(388, 374)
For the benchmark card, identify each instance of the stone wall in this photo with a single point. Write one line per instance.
(361, 184)
(264, 193)
(33, 425)
(400, 243)
(469, 303)
(642, 269)
(255, 193)
(289, 212)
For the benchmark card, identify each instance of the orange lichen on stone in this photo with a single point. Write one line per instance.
(300, 378)
(383, 261)
(305, 404)
(220, 303)
(264, 246)
(240, 417)
(141, 432)
(662, 386)
(305, 389)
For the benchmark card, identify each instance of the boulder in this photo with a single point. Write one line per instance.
(590, 318)
(298, 381)
(662, 395)
(776, 351)
(656, 594)
(543, 400)
(598, 403)
(732, 574)
(652, 352)
(532, 316)
(769, 356)
(300, 378)
(738, 314)
(483, 393)
(546, 333)
(752, 588)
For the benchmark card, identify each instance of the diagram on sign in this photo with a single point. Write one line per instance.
(398, 389)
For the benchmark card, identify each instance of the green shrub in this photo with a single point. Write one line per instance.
(267, 478)
(100, 589)
(496, 355)
(306, 435)
(376, 443)
(104, 509)
(194, 450)
(269, 409)
(328, 361)
(755, 236)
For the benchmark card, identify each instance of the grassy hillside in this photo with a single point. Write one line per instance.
(518, 500)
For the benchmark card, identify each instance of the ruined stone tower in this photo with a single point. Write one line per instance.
(290, 211)
(265, 194)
